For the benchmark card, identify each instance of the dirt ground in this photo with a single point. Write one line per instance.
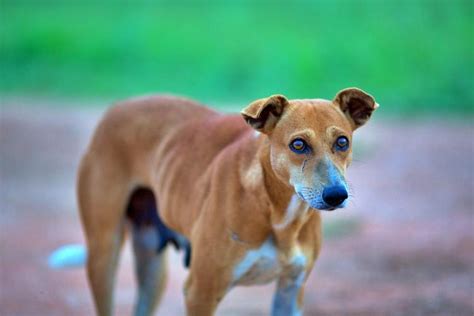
(404, 246)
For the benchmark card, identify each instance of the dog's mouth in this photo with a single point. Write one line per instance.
(328, 208)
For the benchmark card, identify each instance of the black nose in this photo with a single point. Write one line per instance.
(335, 195)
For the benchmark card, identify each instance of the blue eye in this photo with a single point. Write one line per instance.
(299, 146)
(342, 143)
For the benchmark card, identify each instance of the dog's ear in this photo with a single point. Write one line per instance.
(263, 114)
(356, 105)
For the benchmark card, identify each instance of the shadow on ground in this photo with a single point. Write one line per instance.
(404, 246)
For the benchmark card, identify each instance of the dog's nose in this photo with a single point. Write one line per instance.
(335, 195)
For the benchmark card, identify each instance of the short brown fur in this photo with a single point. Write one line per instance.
(217, 182)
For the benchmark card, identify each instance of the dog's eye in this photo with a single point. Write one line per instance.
(342, 143)
(299, 146)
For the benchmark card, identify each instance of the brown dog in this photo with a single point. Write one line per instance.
(245, 200)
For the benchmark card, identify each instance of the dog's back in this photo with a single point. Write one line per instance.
(153, 125)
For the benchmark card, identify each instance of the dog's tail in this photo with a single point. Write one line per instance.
(68, 256)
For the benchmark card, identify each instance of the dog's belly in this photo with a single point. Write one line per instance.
(263, 265)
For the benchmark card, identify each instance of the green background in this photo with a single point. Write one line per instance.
(415, 57)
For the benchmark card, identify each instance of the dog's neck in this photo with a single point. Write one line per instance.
(282, 197)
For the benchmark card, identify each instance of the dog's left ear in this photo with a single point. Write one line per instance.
(356, 105)
(263, 114)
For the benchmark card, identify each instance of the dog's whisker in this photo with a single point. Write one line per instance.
(353, 202)
(359, 162)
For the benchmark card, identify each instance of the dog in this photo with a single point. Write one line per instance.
(240, 194)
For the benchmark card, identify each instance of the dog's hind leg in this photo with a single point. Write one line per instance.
(150, 269)
(102, 194)
(149, 250)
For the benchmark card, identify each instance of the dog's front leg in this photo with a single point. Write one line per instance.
(288, 298)
(203, 292)
(208, 280)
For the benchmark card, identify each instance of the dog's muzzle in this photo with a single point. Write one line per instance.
(331, 197)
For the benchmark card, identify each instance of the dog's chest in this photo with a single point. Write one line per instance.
(262, 265)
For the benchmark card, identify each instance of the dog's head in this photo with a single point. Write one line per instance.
(311, 141)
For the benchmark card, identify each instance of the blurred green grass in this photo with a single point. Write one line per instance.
(416, 57)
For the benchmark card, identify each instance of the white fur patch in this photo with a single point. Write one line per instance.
(298, 261)
(296, 207)
(253, 176)
(262, 265)
(259, 266)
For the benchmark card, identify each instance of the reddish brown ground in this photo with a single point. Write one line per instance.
(405, 246)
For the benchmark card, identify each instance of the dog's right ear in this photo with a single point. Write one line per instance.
(263, 114)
